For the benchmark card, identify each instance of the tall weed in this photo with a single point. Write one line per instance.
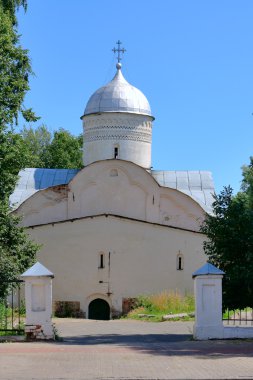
(165, 302)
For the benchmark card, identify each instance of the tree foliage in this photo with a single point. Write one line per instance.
(10, 7)
(57, 150)
(14, 155)
(15, 70)
(31, 148)
(247, 182)
(37, 142)
(16, 250)
(230, 246)
(65, 151)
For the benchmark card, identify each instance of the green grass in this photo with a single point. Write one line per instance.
(12, 333)
(6, 313)
(155, 306)
(230, 313)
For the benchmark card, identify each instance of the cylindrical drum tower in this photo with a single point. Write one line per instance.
(117, 124)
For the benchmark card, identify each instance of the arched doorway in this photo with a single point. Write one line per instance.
(99, 309)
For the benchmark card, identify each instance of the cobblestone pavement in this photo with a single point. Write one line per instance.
(126, 350)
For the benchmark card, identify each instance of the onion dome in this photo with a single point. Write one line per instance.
(118, 96)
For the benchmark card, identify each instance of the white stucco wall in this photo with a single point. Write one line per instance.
(113, 187)
(143, 258)
(131, 133)
(116, 208)
(208, 307)
(38, 300)
(44, 206)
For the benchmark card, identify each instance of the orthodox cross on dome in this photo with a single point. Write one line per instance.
(119, 50)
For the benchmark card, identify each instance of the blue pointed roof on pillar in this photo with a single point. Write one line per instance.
(37, 270)
(207, 269)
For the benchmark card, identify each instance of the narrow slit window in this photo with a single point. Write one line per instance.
(180, 262)
(116, 152)
(101, 260)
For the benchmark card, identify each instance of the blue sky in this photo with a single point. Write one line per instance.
(193, 59)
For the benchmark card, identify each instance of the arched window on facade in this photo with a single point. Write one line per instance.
(180, 261)
(101, 260)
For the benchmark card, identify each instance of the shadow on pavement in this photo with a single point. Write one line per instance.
(165, 344)
(131, 339)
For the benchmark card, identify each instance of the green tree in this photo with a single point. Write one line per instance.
(16, 250)
(230, 246)
(247, 182)
(15, 70)
(54, 151)
(37, 141)
(65, 151)
(14, 155)
(10, 7)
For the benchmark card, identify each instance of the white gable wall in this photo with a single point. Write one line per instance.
(49, 205)
(113, 187)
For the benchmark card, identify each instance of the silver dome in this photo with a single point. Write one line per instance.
(118, 96)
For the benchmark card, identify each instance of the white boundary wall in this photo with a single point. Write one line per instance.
(38, 301)
(208, 308)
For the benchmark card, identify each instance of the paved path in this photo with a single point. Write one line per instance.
(126, 350)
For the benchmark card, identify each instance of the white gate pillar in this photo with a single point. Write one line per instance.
(38, 302)
(208, 303)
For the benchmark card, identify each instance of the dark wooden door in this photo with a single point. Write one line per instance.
(99, 309)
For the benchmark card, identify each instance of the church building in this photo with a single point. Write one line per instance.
(116, 228)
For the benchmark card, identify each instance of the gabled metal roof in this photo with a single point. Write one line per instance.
(37, 270)
(197, 184)
(32, 180)
(207, 269)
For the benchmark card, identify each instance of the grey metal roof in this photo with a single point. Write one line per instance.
(197, 184)
(32, 180)
(118, 96)
(207, 269)
(37, 270)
